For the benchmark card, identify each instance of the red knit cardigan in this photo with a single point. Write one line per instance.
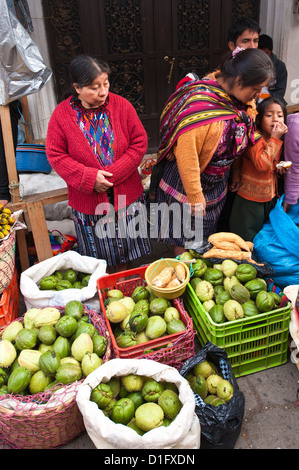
(72, 157)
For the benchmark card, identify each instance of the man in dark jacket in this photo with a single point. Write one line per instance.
(277, 86)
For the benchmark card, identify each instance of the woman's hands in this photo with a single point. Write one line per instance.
(102, 184)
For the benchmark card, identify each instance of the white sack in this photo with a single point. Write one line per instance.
(34, 297)
(182, 433)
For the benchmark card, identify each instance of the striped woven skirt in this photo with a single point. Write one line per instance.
(118, 237)
(171, 191)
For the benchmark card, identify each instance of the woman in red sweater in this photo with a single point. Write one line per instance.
(96, 142)
(258, 172)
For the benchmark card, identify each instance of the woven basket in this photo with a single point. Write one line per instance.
(33, 423)
(7, 260)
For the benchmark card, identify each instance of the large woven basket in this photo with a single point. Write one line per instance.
(7, 260)
(32, 422)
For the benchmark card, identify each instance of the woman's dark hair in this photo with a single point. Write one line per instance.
(253, 66)
(262, 107)
(83, 70)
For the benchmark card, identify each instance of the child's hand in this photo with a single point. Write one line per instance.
(278, 130)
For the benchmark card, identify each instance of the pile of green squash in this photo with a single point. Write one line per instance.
(46, 347)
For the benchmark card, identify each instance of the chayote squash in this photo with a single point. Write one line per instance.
(66, 326)
(38, 382)
(239, 293)
(29, 358)
(18, 380)
(140, 293)
(214, 276)
(217, 314)
(26, 339)
(138, 321)
(125, 340)
(68, 373)
(47, 316)
(62, 347)
(199, 268)
(99, 344)
(250, 309)
(101, 395)
(255, 286)
(82, 345)
(265, 301)
(11, 331)
(48, 283)
(245, 272)
(8, 353)
(47, 334)
(123, 411)
(49, 363)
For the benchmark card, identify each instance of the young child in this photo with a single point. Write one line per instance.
(258, 173)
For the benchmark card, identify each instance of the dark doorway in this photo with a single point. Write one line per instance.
(149, 44)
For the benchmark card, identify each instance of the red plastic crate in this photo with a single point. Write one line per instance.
(178, 347)
(9, 302)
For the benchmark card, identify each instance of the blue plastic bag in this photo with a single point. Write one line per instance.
(277, 244)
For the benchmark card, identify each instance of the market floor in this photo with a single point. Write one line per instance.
(271, 417)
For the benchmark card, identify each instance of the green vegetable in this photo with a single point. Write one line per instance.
(49, 363)
(199, 268)
(8, 353)
(66, 326)
(62, 347)
(18, 380)
(214, 276)
(255, 286)
(68, 373)
(74, 308)
(140, 293)
(264, 301)
(38, 382)
(123, 411)
(99, 344)
(70, 275)
(47, 334)
(101, 395)
(217, 314)
(245, 272)
(63, 284)
(175, 326)
(26, 339)
(48, 283)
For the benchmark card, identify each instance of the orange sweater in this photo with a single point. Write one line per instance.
(258, 176)
(194, 150)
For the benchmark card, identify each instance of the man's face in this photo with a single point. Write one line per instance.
(247, 40)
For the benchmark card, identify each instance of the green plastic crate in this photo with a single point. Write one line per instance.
(252, 344)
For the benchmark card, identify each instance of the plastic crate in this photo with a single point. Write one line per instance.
(32, 158)
(9, 302)
(252, 344)
(175, 348)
